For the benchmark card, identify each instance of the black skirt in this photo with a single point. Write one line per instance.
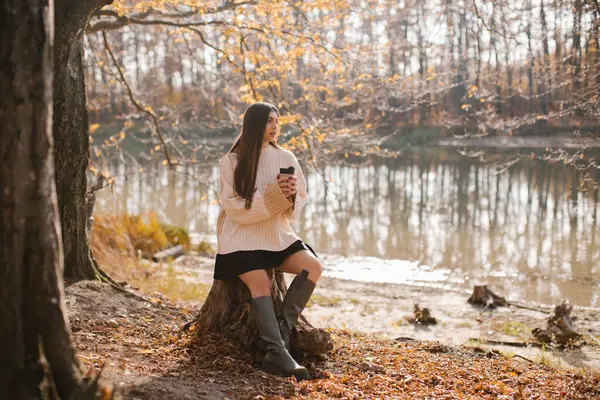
(231, 265)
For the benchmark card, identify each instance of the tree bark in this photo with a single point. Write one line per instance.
(493, 45)
(31, 288)
(71, 135)
(422, 65)
(558, 45)
(547, 97)
(576, 47)
(509, 76)
(528, 32)
(226, 311)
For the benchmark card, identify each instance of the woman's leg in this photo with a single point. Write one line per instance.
(277, 360)
(302, 260)
(258, 283)
(308, 271)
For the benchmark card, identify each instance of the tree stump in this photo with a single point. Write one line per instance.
(559, 327)
(421, 316)
(483, 296)
(226, 311)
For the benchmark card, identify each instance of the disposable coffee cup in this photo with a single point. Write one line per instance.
(286, 172)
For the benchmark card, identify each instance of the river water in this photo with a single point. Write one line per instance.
(434, 218)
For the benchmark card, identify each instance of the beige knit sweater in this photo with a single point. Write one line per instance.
(266, 225)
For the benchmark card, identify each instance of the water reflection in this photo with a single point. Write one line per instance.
(529, 231)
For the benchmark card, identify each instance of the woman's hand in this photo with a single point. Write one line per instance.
(292, 187)
(287, 185)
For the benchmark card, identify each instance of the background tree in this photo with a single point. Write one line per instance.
(34, 325)
(485, 66)
(71, 135)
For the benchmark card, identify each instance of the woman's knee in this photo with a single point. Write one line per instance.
(314, 269)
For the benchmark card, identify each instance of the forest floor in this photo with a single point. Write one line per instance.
(134, 340)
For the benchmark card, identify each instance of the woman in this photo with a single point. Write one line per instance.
(254, 234)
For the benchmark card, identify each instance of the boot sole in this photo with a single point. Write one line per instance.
(275, 370)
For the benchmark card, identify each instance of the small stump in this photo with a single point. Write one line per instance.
(559, 327)
(485, 297)
(421, 316)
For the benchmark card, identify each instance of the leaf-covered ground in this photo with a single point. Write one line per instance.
(135, 343)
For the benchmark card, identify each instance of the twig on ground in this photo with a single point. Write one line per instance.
(507, 343)
(524, 358)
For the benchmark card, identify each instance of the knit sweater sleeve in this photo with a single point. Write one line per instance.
(299, 200)
(265, 206)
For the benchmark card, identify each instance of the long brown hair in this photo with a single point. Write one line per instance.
(247, 148)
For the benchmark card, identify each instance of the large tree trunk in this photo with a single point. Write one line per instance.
(31, 288)
(227, 311)
(71, 135)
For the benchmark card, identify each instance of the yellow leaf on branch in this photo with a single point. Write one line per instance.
(94, 127)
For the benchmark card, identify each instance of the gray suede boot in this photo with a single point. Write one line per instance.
(294, 302)
(277, 360)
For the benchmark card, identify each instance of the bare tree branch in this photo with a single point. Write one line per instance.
(123, 21)
(120, 21)
(247, 78)
(215, 48)
(144, 109)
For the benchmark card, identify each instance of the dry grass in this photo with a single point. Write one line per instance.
(118, 242)
(324, 301)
